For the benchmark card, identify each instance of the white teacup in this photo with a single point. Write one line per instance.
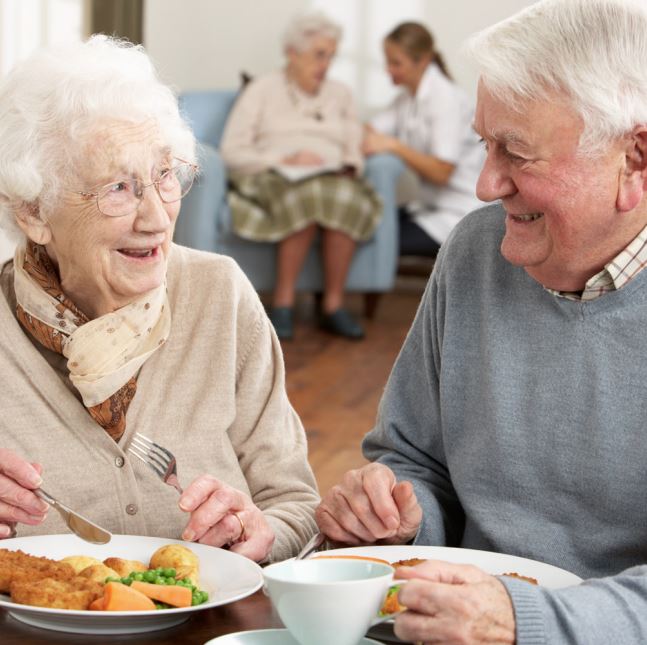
(327, 601)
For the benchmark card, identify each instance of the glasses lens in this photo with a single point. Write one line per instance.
(176, 182)
(118, 199)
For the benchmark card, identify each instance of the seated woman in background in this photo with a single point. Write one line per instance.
(429, 126)
(109, 329)
(296, 118)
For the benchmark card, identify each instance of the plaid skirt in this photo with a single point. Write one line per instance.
(265, 207)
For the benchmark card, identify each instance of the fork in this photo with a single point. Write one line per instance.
(158, 459)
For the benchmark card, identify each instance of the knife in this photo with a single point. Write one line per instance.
(78, 524)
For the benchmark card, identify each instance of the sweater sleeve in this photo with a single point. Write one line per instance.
(408, 437)
(597, 612)
(267, 434)
(238, 147)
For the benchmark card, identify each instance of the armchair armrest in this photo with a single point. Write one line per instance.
(382, 171)
(198, 223)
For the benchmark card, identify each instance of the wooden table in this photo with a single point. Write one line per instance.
(254, 612)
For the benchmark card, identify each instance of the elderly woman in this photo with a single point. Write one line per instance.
(292, 145)
(108, 329)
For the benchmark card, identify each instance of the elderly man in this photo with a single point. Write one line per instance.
(514, 418)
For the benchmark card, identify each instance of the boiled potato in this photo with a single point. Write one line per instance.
(180, 558)
(80, 562)
(98, 573)
(124, 567)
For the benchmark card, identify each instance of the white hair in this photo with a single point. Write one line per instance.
(306, 26)
(50, 102)
(594, 52)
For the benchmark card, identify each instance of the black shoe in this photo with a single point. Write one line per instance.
(341, 322)
(283, 320)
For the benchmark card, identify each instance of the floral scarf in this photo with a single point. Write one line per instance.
(104, 354)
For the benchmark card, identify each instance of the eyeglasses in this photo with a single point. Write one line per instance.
(123, 197)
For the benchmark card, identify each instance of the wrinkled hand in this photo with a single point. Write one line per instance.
(375, 142)
(454, 604)
(369, 506)
(17, 503)
(213, 506)
(303, 158)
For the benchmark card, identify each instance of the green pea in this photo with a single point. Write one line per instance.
(170, 573)
(149, 576)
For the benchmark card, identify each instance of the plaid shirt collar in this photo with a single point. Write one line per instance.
(615, 275)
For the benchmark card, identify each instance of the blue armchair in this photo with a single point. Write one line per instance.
(205, 221)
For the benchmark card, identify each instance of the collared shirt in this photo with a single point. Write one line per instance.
(615, 275)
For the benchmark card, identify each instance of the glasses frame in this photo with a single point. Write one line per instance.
(183, 162)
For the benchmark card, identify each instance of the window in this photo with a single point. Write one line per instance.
(26, 25)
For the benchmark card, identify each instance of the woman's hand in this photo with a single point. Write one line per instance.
(17, 502)
(224, 516)
(375, 142)
(453, 604)
(369, 506)
(303, 158)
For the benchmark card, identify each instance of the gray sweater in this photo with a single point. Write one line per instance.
(520, 417)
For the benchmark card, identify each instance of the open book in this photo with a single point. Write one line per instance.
(298, 173)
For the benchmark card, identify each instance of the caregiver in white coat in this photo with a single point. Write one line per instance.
(429, 126)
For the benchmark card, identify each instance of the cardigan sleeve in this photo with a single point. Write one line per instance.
(268, 437)
(354, 130)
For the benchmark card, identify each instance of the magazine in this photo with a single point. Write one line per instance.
(299, 173)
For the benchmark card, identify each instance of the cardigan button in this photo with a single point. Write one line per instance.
(119, 462)
(131, 509)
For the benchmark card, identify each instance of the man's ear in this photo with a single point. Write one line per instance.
(29, 219)
(633, 176)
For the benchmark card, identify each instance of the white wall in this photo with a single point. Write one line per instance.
(203, 44)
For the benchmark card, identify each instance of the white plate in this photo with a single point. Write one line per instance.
(266, 637)
(224, 575)
(547, 575)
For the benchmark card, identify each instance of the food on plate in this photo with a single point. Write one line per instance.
(80, 562)
(74, 593)
(124, 567)
(16, 566)
(98, 572)
(119, 597)
(391, 605)
(512, 574)
(410, 562)
(173, 595)
(351, 557)
(117, 584)
(180, 558)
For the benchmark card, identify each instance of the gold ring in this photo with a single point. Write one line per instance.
(241, 537)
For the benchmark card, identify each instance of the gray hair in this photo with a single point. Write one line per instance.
(592, 51)
(306, 26)
(50, 102)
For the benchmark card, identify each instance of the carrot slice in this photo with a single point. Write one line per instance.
(98, 604)
(350, 557)
(119, 597)
(173, 595)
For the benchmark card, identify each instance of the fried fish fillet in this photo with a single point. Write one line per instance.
(74, 593)
(16, 566)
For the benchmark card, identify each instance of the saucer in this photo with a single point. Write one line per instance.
(266, 637)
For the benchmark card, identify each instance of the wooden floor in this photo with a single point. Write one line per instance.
(335, 384)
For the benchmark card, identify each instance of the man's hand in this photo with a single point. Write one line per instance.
(453, 604)
(369, 506)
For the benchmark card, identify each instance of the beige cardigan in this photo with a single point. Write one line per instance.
(214, 395)
(273, 119)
